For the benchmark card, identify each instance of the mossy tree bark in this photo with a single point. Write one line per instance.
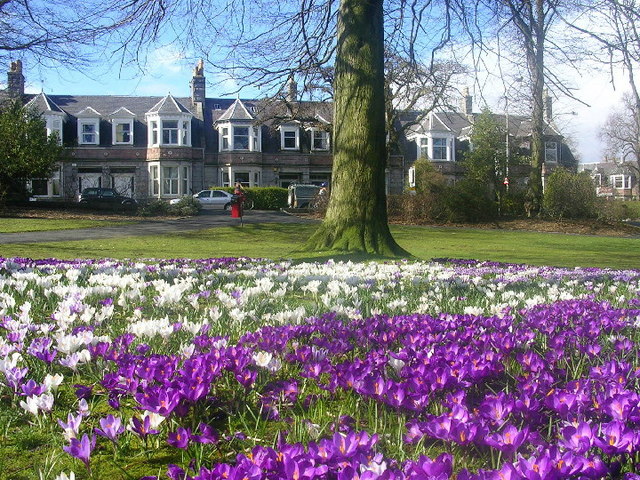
(356, 217)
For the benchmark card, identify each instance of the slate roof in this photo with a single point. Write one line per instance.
(169, 105)
(42, 103)
(237, 111)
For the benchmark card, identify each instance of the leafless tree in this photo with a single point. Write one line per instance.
(535, 31)
(621, 133)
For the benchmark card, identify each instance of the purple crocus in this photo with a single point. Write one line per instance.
(142, 428)
(81, 449)
(111, 427)
(180, 438)
(508, 440)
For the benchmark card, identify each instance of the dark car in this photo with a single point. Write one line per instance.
(301, 196)
(106, 198)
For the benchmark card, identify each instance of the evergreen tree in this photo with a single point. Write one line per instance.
(25, 150)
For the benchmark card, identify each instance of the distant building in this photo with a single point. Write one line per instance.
(167, 147)
(614, 180)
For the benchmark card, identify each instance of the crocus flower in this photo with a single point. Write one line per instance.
(208, 434)
(111, 427)
(142, 428)
(180, 438)
(72, 426)
(81, 449)
(508, 440)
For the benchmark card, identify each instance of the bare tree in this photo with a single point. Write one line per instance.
(621, 133)
(534, 29)
(615, 27)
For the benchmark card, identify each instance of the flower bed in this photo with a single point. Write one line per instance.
(250, 369)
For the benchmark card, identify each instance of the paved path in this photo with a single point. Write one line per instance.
(207, 219)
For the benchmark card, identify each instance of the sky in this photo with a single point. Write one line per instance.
(169, 72)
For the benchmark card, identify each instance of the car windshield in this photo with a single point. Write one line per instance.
(307, 190)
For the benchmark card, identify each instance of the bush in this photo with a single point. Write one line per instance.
(570, 195)
(471, 201)
(618, 210)
(154, 208)
(264, 198)
(186, 207)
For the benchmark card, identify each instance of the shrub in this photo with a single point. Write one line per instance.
(186, 207)
(570, 195)
(618, 210)
(470, 201)
(264, 198)
(154, 208)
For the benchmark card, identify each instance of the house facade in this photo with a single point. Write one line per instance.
(444, 137)
(614, 180)
(167, 147)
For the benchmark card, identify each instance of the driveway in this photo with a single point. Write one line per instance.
(208, 218)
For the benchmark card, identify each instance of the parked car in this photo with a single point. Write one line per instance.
(210, 198)
(300, 196)
(106, 198)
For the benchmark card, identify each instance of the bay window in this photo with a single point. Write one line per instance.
(439, 149)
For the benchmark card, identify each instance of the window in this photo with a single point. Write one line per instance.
(290, 138)
(54, 127)
(122, 132)
(551, 152)
(440, 149)
(89, 133)
(423, 148)
(185, 180)
(621, 181)
(47, 187)
(170, 180)
(224, 138)
(170, 132)
(319, 140)
(154, 133)
(241, 138)
(255, 139)
(155, 180)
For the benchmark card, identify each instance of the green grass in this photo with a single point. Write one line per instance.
(15, 225)
(285, 241)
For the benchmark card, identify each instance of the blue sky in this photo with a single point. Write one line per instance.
(169, 72)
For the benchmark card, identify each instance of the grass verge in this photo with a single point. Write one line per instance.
(284, 241)
(18, 225)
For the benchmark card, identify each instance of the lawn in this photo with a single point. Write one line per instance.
(15, 225)
(284, 241)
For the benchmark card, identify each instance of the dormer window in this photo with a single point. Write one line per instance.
(88, 127)
(319, 139)
(289, 138)
(122, 126)
(89, 132)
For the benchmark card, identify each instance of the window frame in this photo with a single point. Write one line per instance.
(324, 139)
(292, 129)
(551, 147)
(440, 148)
(89, 122)
(116, 122)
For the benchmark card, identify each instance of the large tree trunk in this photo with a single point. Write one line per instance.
(356, 218)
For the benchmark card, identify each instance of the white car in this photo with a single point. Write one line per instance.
(210, 198)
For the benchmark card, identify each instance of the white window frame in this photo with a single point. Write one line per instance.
(620, 181)
(169, 180)
(95, 131)
(157, 127)
(289, 129)
(114, 130)
(54, 125)
(551, 150)
(227, 137)
(423, 147)
(439, 147)
(237, 146)
(412, 177)
(323, 137)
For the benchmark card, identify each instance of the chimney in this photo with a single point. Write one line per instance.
(467, 102)
(198, 91)
(15, 80)
(292, 90)
(548, 107)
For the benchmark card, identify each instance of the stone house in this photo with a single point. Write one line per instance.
(166, 147)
